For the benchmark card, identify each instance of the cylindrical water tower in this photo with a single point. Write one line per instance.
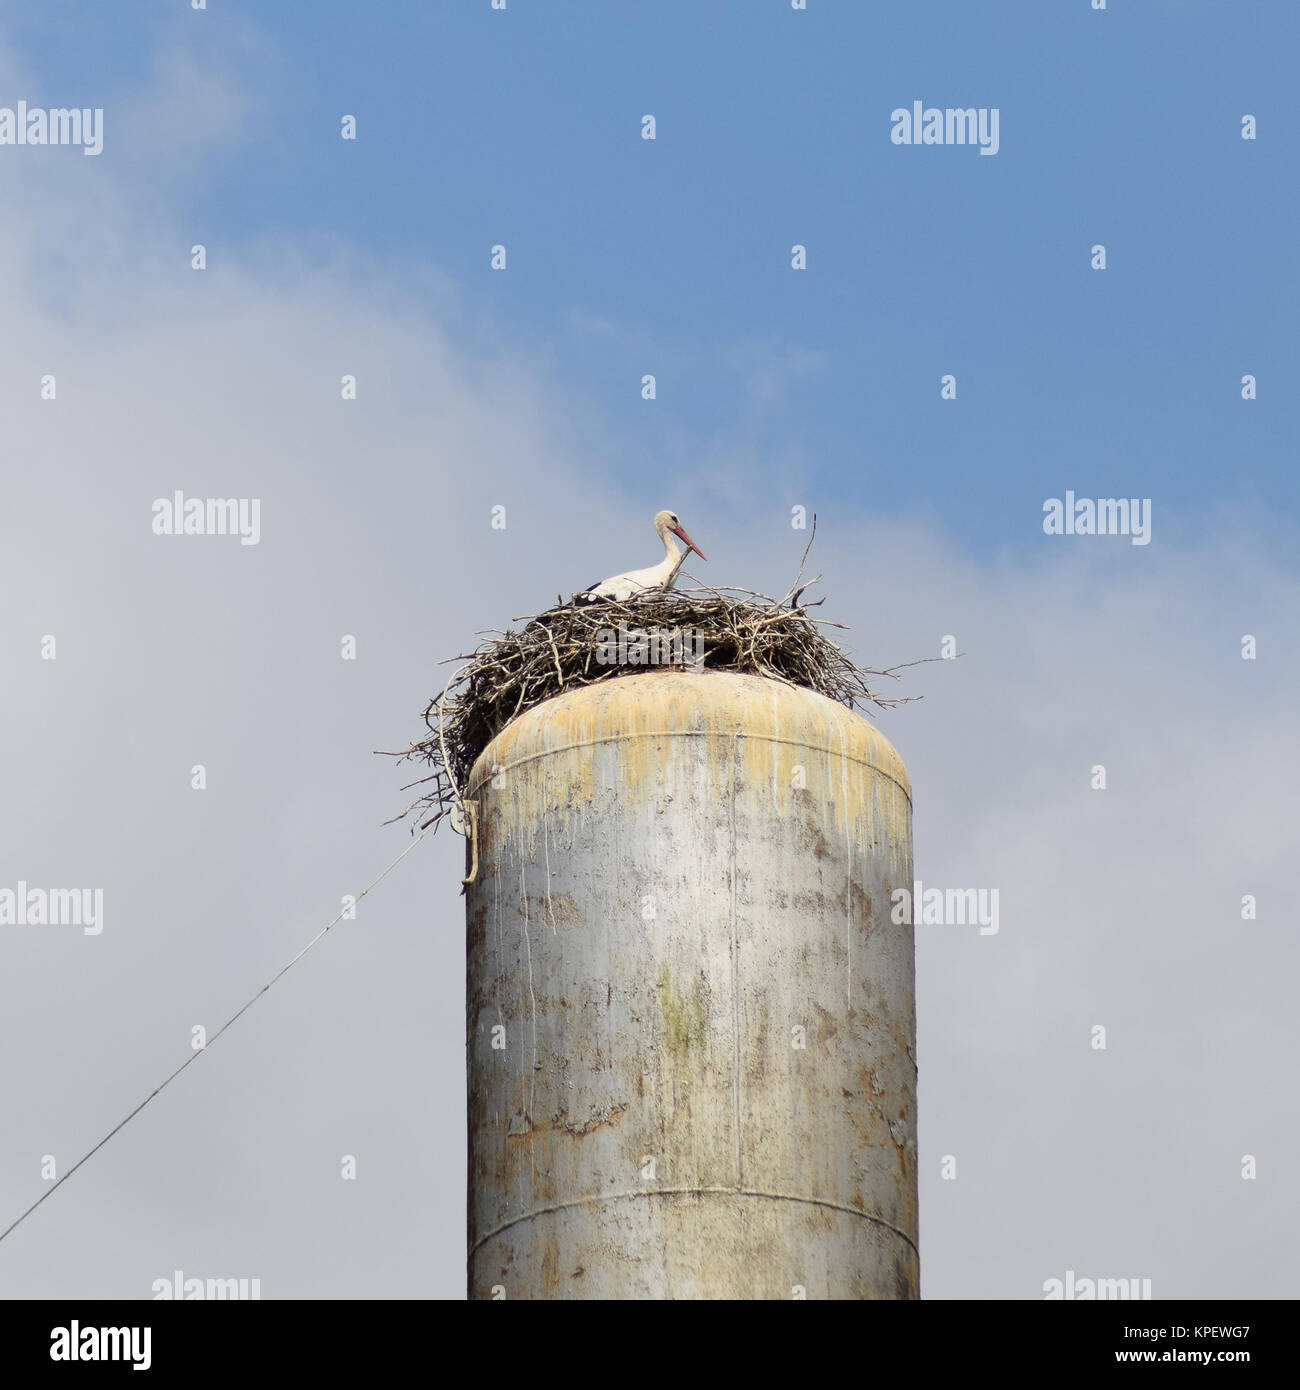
(690, 1016)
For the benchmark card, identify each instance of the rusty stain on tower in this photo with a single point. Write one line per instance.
(690, 1017)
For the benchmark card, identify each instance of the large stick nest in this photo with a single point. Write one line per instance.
(562, 649)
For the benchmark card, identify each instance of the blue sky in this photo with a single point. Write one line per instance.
(672, 257)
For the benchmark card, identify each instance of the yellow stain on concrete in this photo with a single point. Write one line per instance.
(743, 731)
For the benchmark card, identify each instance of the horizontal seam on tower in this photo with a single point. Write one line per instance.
(694, 1191)
(691, 733)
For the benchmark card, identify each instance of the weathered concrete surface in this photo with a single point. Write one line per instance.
(681, 877)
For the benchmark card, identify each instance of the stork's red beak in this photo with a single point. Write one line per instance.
(681, 535)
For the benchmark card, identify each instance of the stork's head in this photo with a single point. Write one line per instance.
(667, 521)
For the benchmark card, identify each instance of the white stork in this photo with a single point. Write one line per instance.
(621, 587)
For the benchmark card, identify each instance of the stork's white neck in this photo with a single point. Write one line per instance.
(671, 549)
(666, 569)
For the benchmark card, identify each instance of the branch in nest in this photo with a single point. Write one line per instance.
(561, 649)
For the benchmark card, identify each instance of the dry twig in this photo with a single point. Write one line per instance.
(560, 650)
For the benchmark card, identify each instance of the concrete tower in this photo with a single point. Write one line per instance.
(690, 1017)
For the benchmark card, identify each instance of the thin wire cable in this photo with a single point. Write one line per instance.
(194, 1056)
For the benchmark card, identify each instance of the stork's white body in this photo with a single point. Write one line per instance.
(656, 578)
(622, 586)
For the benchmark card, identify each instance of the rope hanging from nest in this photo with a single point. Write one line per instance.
(460, 811)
